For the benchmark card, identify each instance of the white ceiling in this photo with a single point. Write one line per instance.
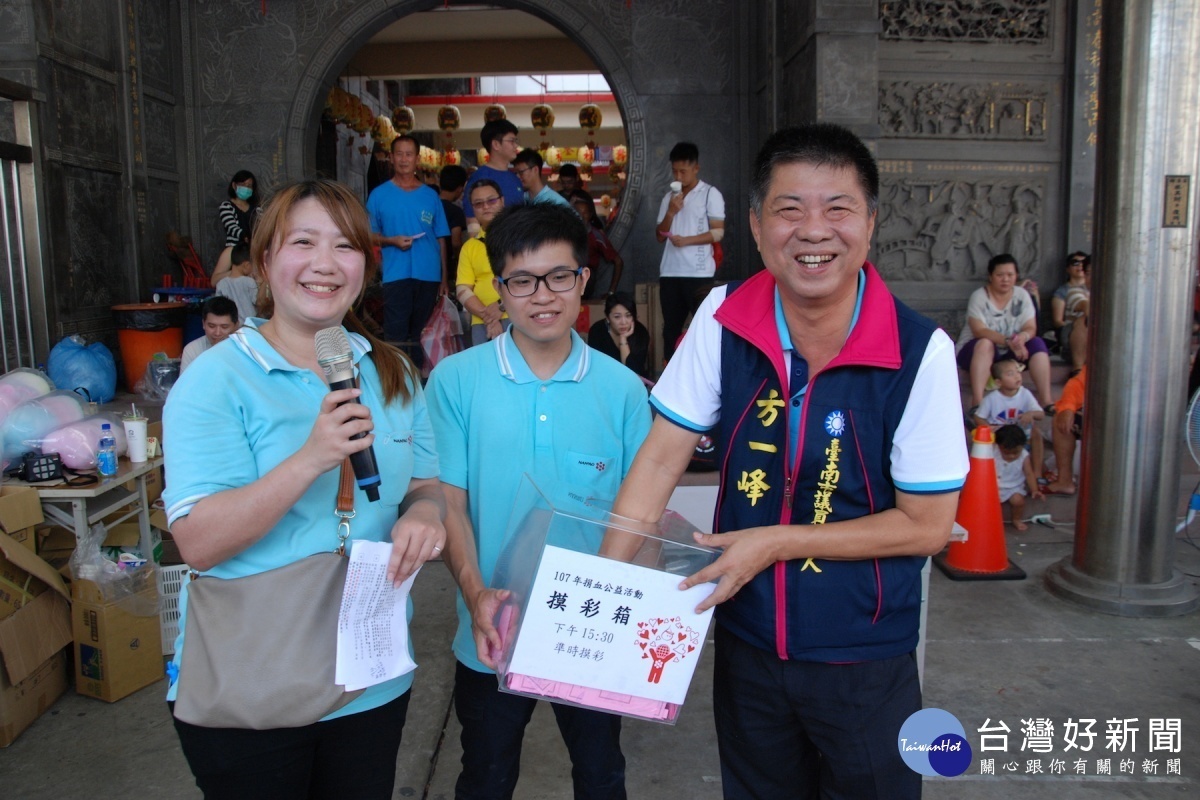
(458, 23)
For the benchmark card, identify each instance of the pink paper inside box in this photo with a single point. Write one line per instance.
(595, 617)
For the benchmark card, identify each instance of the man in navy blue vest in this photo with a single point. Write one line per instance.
(829, 401)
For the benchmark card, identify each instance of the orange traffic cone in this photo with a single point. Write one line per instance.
(984, 555)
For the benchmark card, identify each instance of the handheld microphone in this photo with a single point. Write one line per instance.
(334, 356)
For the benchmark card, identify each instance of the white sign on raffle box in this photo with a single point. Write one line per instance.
(612, 626)
(612, 632)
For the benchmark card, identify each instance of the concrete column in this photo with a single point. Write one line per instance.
(1141, 314)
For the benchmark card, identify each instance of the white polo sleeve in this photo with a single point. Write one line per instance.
(929, 456)
(716, 204)
(689, 391)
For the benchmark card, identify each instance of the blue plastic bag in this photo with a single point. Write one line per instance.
(88, 369)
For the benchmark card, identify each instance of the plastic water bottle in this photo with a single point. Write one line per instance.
(106, 454)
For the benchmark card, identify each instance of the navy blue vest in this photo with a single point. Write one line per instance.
(816, 609)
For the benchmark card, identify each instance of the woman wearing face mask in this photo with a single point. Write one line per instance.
(621, 336)
(238, 212)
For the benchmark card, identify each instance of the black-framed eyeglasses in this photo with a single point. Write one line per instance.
(1077, 261)
(560, 280)
(523, 170)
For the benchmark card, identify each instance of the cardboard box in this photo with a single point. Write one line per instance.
(26, 537)
(20, 585)
(126, 538)
(116, 652)
(55, 546)
(20, 508)
(22, 704)
(53, 540)
(154, 484)
(33, 636)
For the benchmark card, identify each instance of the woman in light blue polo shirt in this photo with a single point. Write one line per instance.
(254, 445)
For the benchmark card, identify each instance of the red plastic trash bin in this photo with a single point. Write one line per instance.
(144, 329)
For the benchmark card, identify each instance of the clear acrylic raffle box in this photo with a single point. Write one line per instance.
(596, 618)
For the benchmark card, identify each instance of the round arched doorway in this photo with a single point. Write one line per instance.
(358, 25)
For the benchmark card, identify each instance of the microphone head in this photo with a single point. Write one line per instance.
(334, 355)
(332, 345)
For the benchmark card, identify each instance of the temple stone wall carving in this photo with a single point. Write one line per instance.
(994, 111)
(973, 103)
(999, 21)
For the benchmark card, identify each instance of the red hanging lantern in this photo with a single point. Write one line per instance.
(448, 118)
(590, 118)
(403, 119)
(542, 117)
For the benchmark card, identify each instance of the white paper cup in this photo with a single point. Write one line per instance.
(676, 187)
(135, 438)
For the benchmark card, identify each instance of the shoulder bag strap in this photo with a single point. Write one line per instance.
(345, 504)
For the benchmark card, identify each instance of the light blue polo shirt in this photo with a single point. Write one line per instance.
(495, 420)
(240, 411)
(549, 197)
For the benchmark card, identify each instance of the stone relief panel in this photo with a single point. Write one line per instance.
(683, 47)
(965, 20)
(85, 116)
(158, 57)
(159, 133)
(937, 228)
(846, 91)
(83, 28)
(88, 242)
(995, 111)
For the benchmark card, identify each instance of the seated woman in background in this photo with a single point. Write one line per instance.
(1069, 309)
(621, 336)
(604, 262)
(1002, 323)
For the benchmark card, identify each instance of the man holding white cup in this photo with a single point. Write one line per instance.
(691, 219)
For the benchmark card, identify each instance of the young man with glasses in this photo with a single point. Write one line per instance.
(528, 166)
(502, 144)
(475, 286)
(537, 400)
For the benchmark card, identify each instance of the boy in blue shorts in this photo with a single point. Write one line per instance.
(535, 400)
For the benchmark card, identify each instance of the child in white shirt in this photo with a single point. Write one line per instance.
(1014, 473)
(1012, 404)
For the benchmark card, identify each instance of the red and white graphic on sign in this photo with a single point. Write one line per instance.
(663, 640)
